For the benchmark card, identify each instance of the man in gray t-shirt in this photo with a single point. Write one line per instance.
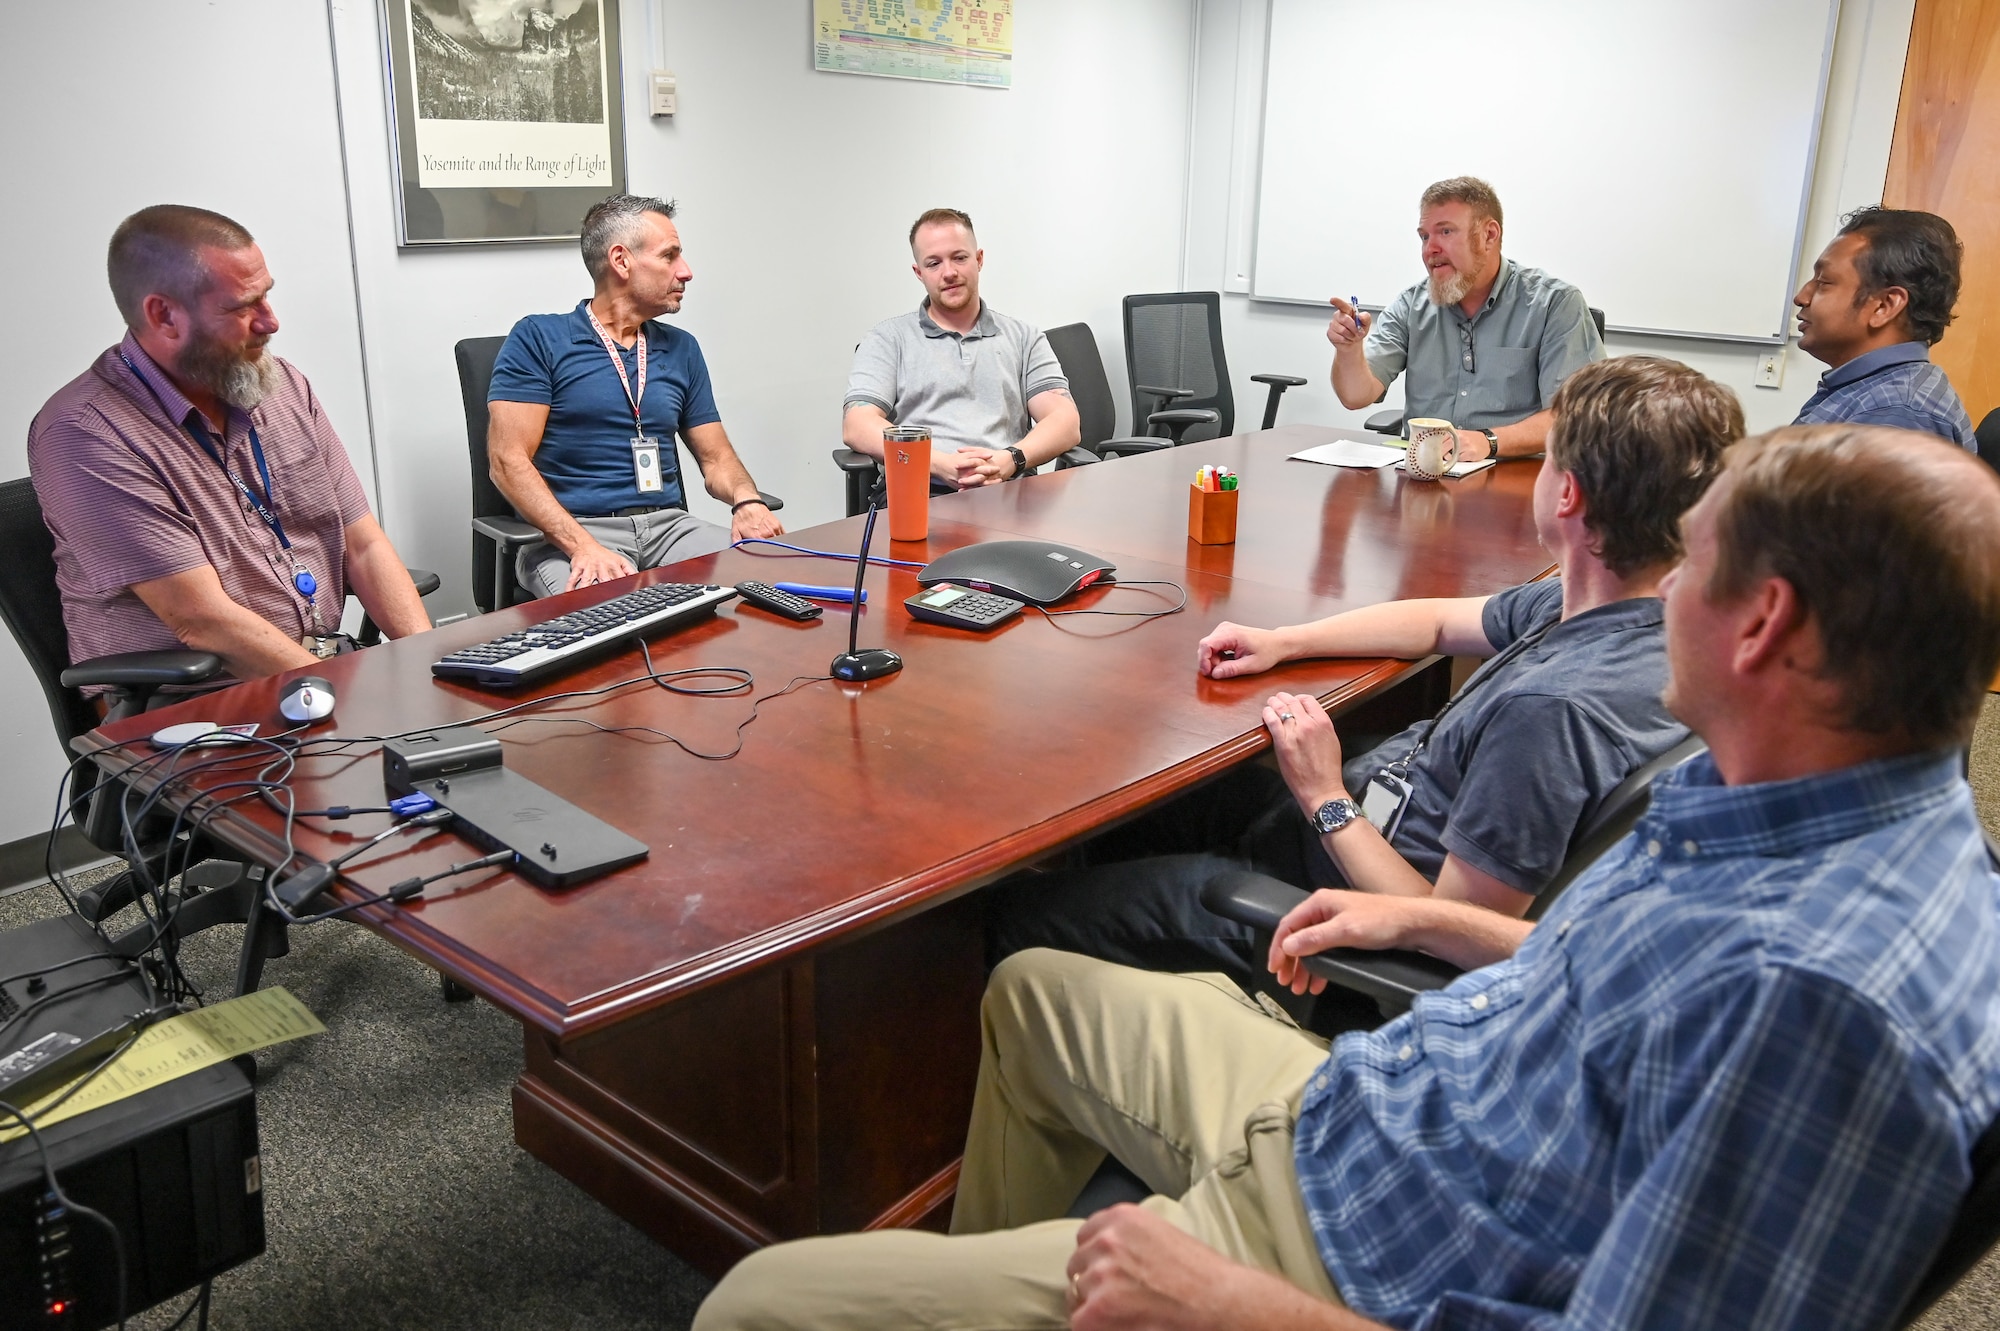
(1500, 782)
(1485, 342)
(988, 387)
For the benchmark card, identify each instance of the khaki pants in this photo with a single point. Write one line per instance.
(1190, 1083)
(647, 539)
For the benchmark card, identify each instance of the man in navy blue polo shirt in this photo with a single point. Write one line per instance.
(1879, 298)
(585, 407)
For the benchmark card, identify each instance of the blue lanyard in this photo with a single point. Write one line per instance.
(265, 508)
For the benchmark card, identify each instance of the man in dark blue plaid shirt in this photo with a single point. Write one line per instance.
(1880, 297)
(1730, 1080)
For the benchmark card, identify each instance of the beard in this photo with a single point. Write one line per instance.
(1453, 289)
(1450, 290)
(241, 378)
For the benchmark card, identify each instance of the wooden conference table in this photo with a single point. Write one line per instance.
(769, 1028)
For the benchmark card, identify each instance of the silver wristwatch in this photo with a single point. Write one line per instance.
(1334, 815)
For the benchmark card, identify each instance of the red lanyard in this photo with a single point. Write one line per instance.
(618, 364)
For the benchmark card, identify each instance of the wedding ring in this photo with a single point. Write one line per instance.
(1075, 1289)
(1284, 716)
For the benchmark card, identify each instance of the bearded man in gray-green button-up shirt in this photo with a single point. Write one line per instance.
(1485, 341)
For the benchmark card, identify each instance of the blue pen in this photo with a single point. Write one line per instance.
(842, 594)
(1355, 303)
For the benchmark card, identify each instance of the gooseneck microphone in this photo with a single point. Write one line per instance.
(876, 661)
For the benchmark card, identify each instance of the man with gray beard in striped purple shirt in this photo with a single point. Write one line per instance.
(198, 495)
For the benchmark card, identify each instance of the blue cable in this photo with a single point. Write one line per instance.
(825, 554)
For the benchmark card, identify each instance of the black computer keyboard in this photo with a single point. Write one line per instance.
(528, 654)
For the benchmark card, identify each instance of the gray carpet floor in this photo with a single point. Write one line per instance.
(396, 1198)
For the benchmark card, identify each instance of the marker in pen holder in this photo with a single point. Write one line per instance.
(1212, 515)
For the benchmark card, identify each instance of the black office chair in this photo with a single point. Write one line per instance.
(497, 532)
(1178, 373)
(1390, 421)
(1395, 978)
(215, 890)
(862, 474)
(1090, 387)
(1988, 438)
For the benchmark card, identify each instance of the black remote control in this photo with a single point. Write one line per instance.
(766, 597)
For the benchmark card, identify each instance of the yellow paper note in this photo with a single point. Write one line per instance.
(180, 1045)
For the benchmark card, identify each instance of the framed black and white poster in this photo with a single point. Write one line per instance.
(508, 117)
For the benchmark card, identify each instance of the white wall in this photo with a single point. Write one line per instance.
(797, 190)
(116, 104)
(1853, 159)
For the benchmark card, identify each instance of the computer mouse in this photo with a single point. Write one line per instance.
(307, 698)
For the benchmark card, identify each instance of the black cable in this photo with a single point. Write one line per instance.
(200, 1300)
(1133, 614)
(48, 1162)
(675, 740)
(6, 980)
(94, 982)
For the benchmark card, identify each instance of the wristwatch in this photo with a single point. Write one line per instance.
(1334, 815)
(1492, 444)
(1020, 462)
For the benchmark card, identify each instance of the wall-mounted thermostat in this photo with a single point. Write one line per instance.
(661, 83)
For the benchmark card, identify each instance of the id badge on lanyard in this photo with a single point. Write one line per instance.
(645, 449)
(646, 464)
(1385, 801)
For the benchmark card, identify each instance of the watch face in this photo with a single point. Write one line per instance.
(1334, 815)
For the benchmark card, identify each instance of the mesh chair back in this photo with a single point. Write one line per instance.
(32, 607)
(1089, 387)
(475, 375)
(1174, 340)
(1988, 438)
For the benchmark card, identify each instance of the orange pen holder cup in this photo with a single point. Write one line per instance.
(1212, 516)
(906, 462)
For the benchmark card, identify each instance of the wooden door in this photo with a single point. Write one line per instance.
(1946, 160)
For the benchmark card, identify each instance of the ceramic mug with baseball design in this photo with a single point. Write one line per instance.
(1433, 448)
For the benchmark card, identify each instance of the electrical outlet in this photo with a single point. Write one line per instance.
(1771, 369)
(664, 93)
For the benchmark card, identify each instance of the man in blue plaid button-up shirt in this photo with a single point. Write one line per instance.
(1731, 1079)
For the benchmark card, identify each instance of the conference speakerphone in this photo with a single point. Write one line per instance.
(525, 655)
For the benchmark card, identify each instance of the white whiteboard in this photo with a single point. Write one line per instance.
(1656, 153)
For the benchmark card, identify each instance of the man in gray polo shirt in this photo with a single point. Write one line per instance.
(1502, 779)
(1486, 342)
(987, 386)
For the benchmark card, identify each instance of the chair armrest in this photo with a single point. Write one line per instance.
(1392, 978)
(427, 581)
(1076, 457)
(1385, 422)
(1185, 416)
(849, 460)
(144, 670)
(771, 502)
(1118, 448)
(1282, 380)
(507, 533)
(1165, 395)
